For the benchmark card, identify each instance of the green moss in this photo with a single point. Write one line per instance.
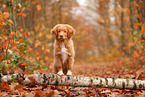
(45, 78)
(140, 85)
(123, 85)
(100, 82)
(91, 81)
(68, 77)
(56, 82)
(134, 87)
(106, 81)
(113, 79)
(127, 82)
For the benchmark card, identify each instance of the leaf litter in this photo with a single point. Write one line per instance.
(109, 70)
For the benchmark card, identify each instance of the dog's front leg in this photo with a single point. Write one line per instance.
(58, 65)
(70, 65)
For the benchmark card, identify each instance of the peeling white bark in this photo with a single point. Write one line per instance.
(80, 81)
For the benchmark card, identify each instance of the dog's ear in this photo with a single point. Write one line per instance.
(71, 31)
(54, 31)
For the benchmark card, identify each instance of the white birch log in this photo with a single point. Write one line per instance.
(80, 81)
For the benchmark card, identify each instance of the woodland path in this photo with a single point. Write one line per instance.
(109, 70)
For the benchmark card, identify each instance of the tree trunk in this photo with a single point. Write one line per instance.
(131, 16)
(60, 17)
(141, 17)
(122, 28)
(79, 81)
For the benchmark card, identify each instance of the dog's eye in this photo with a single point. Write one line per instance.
(64, 31)
(58, 31)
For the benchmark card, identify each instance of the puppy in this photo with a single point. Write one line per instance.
(63, 49)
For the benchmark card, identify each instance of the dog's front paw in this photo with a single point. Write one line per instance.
(60, 72)
(69, 72)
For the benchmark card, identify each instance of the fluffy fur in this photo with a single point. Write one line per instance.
(63, 49)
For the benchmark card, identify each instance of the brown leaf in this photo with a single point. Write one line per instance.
(4, 86)
(44, 85)
(31, 85)
(143, 78)
(128, 95)
(32, 79)
(38, 93)
(22, 66)
(19, 86)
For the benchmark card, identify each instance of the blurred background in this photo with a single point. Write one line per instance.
(106, 30)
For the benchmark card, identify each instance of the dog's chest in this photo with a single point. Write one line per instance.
(64, 53)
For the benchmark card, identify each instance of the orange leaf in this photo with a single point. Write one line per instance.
(139, 16)
(1, 12)
(124, 48)
(6, 15)
(143, 29)
(19, 13)
(142, 78)
(99, 20)
(44, 85)
(32, 79)
(143, 52)
(21, 30)
(4, 6)
(1, 57)
(0, 48)
(137, 24)
(23, 14)
(38, 7)
(13, 45)
(10, 21)
(25, 34)
(4, 86)
(38, 93)
(136, 5)
(22, 66)
(1, 19)
(33, 2)
(10, 36)
(19, 86)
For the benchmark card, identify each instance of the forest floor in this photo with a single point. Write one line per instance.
(105, 70)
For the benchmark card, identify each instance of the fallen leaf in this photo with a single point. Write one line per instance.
(4, 86)
(32, 79)
(38, 93)
(18, 86)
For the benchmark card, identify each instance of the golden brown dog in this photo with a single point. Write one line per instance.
(63, 49)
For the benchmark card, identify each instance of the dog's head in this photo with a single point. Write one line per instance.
(63, 31)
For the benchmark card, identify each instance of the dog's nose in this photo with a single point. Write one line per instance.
(61, 36)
